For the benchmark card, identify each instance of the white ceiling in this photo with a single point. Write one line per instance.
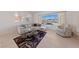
(33, 12)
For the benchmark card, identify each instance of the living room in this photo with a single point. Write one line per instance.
(39, 29)
(16, 23)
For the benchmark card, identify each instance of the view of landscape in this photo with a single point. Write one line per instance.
(50, 18)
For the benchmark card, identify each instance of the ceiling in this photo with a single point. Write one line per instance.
(33, 12)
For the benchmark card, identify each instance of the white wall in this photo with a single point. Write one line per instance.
(72, 18)
(7, 21)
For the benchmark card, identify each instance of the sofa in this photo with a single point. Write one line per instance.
(23, 28)
(64, 31)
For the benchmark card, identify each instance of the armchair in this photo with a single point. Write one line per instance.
(64, 31)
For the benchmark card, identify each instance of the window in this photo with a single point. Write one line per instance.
(53, 16)
(50, 18)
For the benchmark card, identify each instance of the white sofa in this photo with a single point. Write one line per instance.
(27, 27)
(24, 28)
(64, 31)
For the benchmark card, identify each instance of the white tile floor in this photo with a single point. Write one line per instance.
(6, 41)
(51, 40)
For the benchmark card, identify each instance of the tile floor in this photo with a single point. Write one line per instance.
(51, 40)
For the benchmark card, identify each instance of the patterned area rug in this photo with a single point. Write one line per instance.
(30, 39)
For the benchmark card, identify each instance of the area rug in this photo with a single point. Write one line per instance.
(30, 42)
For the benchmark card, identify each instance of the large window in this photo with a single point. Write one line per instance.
(50, 18)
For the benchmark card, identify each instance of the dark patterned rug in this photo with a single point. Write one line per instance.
(30, 39)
